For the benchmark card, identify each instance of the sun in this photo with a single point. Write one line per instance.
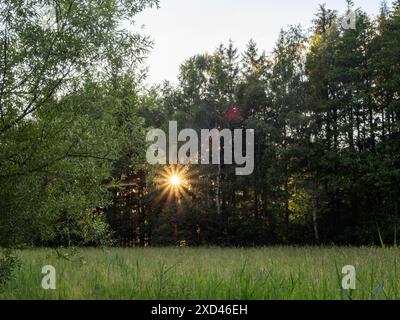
(175, 180)
(174, 183)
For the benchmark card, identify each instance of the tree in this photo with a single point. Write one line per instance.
(60, 127)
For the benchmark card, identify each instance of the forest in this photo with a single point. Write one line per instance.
(74, 112)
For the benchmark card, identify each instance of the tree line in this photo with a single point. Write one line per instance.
(325, 109)
(324, 105)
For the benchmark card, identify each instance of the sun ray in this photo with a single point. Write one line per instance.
(174, 183)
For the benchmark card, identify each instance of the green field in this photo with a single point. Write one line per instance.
(208, 273)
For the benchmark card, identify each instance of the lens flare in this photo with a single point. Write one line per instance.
(175, 180)
(174, 183)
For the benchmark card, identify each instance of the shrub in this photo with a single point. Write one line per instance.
(8, 264)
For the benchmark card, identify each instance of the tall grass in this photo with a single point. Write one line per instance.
(209, 273)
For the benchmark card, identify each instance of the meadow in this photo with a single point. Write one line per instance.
(208, 273)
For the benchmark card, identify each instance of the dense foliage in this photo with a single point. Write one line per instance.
(324, 104)
(64, 119)
(325, 108)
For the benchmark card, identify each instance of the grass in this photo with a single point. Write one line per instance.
(209, 273)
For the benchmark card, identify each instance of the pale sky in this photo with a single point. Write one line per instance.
(183, 28)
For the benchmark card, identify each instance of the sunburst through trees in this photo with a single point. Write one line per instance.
(175, 183)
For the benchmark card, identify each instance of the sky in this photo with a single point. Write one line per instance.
(183, 28)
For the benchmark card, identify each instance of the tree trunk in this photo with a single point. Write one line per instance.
(314, 212)
(218, 191)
